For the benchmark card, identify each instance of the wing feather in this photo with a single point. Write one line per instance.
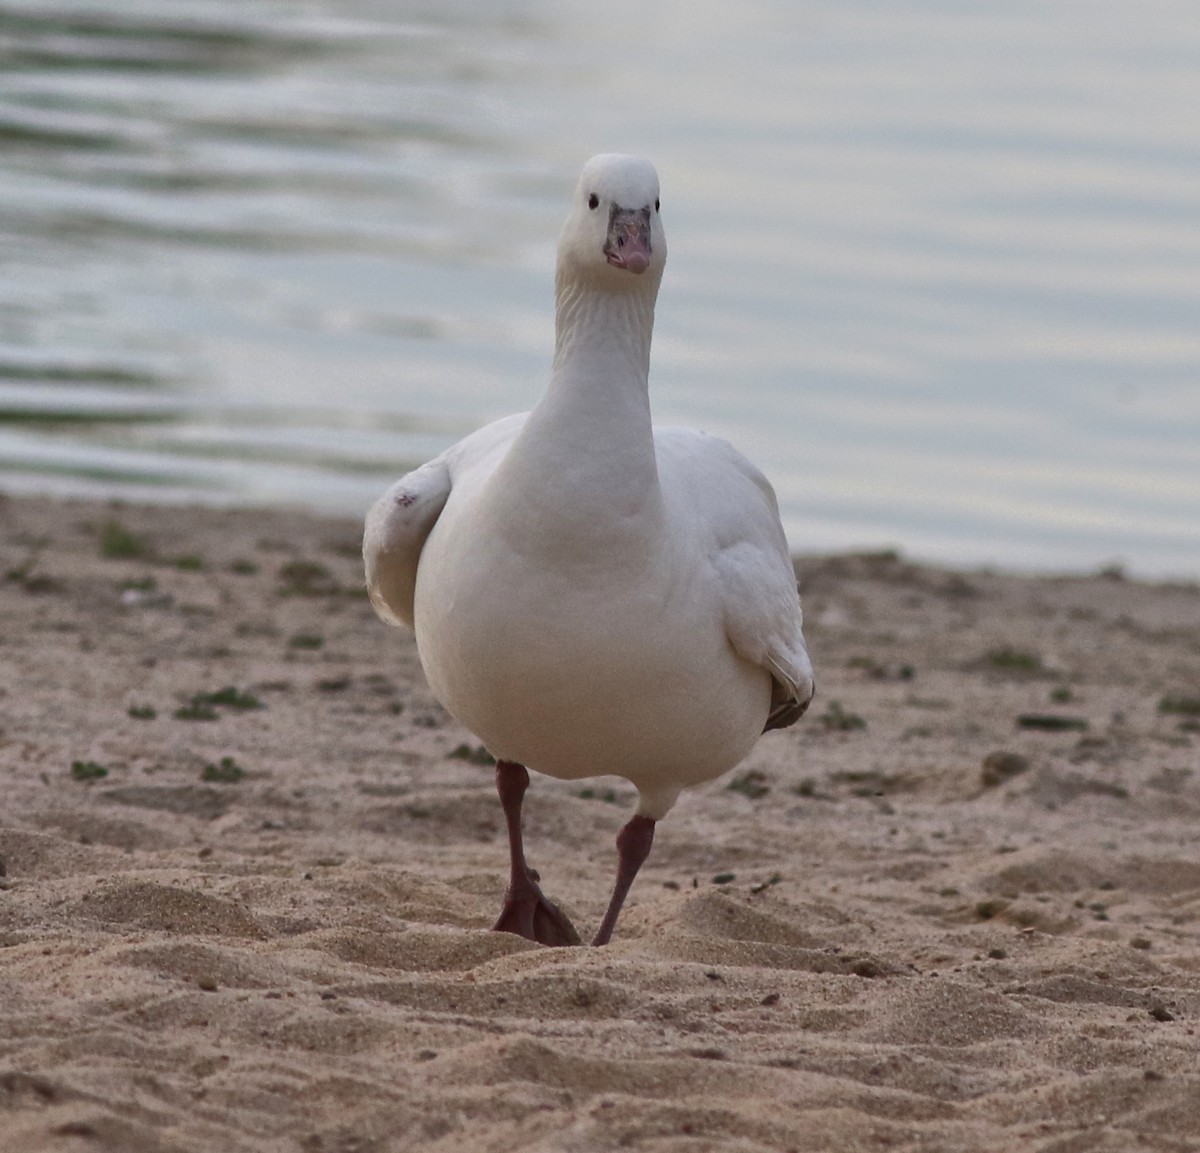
(395, 532)
(749, 554)
(401, 520)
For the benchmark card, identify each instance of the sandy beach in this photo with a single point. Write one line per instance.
(248, 865)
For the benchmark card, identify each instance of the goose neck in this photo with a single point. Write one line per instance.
(603, 331)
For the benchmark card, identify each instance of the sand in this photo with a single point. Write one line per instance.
(249, 867)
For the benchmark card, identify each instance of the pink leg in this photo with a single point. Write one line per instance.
(526, 911)
(633, 847)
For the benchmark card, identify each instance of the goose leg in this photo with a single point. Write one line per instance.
(526, 910)
(633, 847)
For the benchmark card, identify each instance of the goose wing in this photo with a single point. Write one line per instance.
(736, 517)
(395, 532)
(401, 520)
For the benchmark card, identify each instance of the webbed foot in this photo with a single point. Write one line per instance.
(529, 913)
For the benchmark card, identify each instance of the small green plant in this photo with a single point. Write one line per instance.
(189, 563)
(1011, 660)
(143, 712)
(606, 795)
(1180, 705)
(203, 706)
(836, 719)
(307, 641)
(118, 543)
(751, 784)
(243, 567)
(1061, 695)
(870, 664)
(305, 578)
(1051, 722)
(195, 712)
(474, 755)
(225, 772)
(87, 771)
(229, 697)
(866, 782)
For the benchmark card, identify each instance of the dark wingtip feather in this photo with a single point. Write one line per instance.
(785, 710)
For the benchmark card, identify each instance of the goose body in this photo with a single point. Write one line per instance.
(591, 594)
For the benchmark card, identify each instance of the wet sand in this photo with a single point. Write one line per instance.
(249, 867)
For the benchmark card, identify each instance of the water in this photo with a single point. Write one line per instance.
(934, 265)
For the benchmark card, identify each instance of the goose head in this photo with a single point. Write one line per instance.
(613, 238)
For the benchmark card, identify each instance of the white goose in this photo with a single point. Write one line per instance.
(591, 594)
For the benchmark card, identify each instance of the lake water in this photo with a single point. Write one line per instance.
(935, 266)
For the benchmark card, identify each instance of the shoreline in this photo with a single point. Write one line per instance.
(249, 865)
(1112, 563)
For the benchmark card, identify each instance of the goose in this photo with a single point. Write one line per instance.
(592, 594)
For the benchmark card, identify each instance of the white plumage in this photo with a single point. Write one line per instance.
(591, 594)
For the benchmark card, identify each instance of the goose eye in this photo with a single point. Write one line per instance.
(656, 205)
(593, 201)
